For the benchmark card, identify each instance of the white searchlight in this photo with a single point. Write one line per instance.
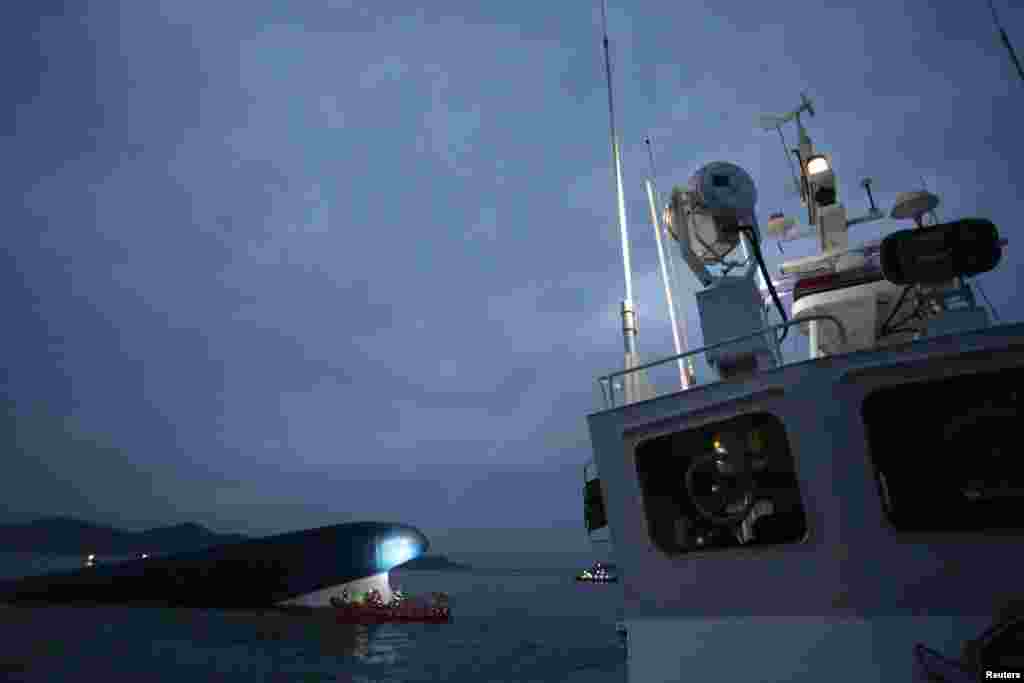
(710, 218)
(817, 168)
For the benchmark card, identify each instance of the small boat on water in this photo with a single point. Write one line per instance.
(598, 573)
(371, 609)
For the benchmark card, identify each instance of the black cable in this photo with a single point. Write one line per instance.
(922, 653)
(1006, 41)
(1013, 55)
(985, 296)
(894, 311)
(785, 151)
(918, 313)
(754, 241)
(898, 330)
(898, 327)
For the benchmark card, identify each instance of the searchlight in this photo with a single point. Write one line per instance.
(396, 551)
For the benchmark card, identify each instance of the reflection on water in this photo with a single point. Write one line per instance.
(367, 643)
(507, 627)
(352, 640)
(120, 644)
(382, 644)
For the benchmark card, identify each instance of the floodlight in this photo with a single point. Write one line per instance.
(816, 165)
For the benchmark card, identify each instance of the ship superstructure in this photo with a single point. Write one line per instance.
(856, 514)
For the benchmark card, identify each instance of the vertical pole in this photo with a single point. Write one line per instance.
(668, 287)
(666, 233)
(628, 320)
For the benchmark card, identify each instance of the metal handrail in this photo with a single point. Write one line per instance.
(608, 389)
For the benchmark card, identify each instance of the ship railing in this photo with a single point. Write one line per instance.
(608, 384)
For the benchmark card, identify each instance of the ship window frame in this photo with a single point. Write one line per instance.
(705, 422)
(882, 472)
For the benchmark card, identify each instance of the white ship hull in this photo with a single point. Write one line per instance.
(763, 649)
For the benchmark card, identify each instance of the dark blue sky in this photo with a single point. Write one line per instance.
(278, 264)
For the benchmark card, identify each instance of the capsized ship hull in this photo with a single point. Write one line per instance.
(305, 568)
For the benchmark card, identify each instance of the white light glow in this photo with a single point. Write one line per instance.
(817, 165)
(395, 551)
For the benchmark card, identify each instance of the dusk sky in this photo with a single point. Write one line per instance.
(279, 264)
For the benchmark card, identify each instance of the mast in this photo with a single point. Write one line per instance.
(633, 383)
(668, 288)
(679, 337)
(617, 171)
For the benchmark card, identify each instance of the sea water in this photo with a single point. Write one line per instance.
(516, 626)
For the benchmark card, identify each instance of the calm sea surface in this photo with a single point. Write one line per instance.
(511, 626)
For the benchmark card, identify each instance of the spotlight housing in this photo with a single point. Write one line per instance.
(939, 253)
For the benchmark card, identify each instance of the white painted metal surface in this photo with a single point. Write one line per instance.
(851, 601)
(858, 307)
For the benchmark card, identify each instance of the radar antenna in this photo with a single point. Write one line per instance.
(770, 122)
(775, 122)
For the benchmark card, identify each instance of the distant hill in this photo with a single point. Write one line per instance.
(69, 536)
(433, 563)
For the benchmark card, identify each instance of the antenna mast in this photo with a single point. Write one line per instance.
(651, 199)
(629, 330)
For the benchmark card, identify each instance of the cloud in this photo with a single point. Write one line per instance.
(391, 68)
(331, 108)
(486, 227)
(292, 253)
(452, 124)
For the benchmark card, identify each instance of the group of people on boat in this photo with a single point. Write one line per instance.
(371, 598)
(374, 599)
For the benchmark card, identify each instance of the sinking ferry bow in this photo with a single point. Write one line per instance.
(304, 568)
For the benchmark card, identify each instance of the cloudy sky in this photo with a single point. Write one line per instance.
(278, 264)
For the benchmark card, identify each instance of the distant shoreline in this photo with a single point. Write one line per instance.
(70, 537)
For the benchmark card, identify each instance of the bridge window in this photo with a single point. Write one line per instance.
(723, 485)
(947, 453)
